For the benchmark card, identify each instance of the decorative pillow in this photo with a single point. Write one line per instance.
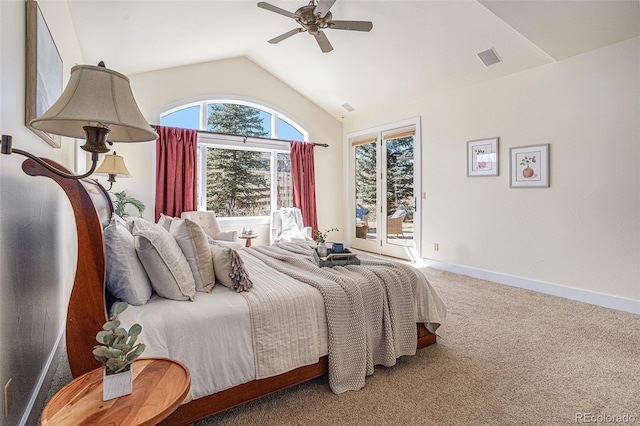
(229, 268)
(164, 262)
(139, 222)
(165, 221)
(126, 277)
(118, 219)
(193, 242)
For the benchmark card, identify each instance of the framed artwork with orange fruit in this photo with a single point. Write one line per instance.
(529, 166)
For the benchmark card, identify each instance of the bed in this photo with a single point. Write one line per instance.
(89, 300)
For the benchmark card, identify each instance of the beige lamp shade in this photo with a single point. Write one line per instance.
(96, 96)
(113, 164)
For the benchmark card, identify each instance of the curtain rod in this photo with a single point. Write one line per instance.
(208, 132)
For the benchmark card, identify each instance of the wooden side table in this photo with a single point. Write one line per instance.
(159, 387)
(248, 237)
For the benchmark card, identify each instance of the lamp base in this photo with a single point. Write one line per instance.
(96, 139)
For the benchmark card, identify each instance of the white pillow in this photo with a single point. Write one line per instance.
(193, 242)
(140, 223)
(164, 262)
(229, 268)
(397, 214)
(165, 221)
(126, 277)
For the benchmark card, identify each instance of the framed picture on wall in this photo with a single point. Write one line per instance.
(44, 71)
(529, 166)
(482, 157)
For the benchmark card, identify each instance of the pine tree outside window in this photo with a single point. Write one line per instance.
(238, 177)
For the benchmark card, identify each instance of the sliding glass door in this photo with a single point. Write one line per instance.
(365, 155)
(400, 198)
(384, 166)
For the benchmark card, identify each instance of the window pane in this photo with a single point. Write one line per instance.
(400, 201)
(238, 120)
(187, 118)
(288, 132)
(285, 184)
(238, 182)
(266, 123)
(366, 187)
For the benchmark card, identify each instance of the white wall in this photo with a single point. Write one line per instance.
(582, 232)
(240, 78)
(37, 231)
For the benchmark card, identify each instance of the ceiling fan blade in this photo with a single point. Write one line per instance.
(323, 42)
(323, 7)
(351, 25)
(285, 35)
(276, 9)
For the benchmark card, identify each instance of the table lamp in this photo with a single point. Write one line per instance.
(112, 166)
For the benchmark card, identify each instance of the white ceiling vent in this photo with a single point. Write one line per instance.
(348, 107)
(489, 57)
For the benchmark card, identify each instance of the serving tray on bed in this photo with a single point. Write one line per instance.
(336, 259)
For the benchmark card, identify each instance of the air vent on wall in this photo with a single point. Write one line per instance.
(348, 107)
(489, 57)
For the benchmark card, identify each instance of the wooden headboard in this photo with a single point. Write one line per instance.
(87, 312)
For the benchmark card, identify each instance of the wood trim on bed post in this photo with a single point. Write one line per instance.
(425, 338)
(245, 392)
(86, 312)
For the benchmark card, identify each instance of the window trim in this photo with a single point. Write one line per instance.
(206, 140)
(202, 168)
(275, 113)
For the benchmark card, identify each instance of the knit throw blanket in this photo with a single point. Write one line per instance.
(370, 309)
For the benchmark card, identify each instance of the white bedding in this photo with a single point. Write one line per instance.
(211, 336)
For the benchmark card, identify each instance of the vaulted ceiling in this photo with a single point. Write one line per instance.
(416, 47)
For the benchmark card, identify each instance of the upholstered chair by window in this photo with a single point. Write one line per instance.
(211, 227)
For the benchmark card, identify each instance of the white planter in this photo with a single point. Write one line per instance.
(116, 385)
(322, 249)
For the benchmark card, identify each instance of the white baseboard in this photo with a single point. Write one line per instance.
(599, 299)
(46, 371)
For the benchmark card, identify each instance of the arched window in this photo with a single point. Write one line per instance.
(245, 176)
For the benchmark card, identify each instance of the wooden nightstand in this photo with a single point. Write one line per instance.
(159, 387)
(248, 237)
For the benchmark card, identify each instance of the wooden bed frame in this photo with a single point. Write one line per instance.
(87, 305)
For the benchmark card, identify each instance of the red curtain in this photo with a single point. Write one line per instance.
(304, 182)
(176, 156)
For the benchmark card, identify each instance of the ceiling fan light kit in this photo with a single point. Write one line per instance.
(313, 18)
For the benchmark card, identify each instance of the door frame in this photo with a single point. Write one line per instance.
(411, 252)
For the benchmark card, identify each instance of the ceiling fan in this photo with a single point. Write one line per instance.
(313, 18)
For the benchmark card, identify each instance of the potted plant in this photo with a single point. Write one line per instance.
(321, 240)
(121, 201)
(117, 351)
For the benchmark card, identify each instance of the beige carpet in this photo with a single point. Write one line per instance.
(510, 357)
